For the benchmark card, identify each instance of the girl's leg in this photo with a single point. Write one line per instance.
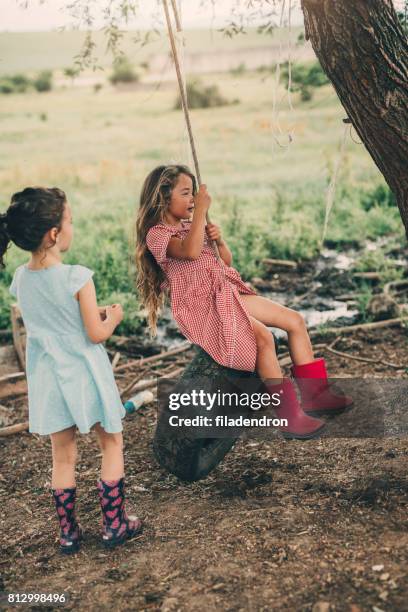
(64, 455)
(117, 525)
(267, 365)
(298, 425)
(275, 315)
(111, 445)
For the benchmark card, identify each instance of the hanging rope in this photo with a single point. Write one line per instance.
(275, 111)
(185, 149)
(331, 190)
(183, 96)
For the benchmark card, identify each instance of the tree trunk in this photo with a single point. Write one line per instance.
(178, 450)
(364, 52)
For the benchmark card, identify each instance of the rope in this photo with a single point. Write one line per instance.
(275, 112)
(332, 186)
(185, 150)
(184, 100)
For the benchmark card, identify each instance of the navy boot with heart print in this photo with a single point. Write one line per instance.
(117, 525)
(71, 531)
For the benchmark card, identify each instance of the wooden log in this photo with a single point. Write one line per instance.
(115, 360)
(366, 359)
(18, 334)
(279, 263)
(12, 377)
(367, 326)
(374, 276)
(400, 284)
(13, 429)
(178, 450)
(139, 362)
(261, 283)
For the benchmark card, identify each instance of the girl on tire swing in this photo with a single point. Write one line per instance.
(212, 305)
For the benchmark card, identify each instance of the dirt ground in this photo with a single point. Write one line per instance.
(318, 525)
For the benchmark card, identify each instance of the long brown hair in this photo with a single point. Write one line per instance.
(155, 199)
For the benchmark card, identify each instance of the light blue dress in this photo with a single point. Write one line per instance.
(70, 379)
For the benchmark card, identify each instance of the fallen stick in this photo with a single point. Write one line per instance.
(283, 263)
(315, 347)
(351, 328)
(344, 297)
(13, 429)
(147, 384)
(347, 356)
(139, 362)
(394, 285)
(11, 377)
(115, 360)
(367, 275)
(130, 386)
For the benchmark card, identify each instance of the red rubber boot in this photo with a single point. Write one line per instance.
(300, 426)
(316, 397)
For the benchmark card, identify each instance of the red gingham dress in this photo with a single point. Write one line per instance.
(205, 303)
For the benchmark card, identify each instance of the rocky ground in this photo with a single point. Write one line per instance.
(315, 526)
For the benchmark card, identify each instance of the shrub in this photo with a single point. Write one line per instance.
(238, 70)
(21, 83)
(246, 241)
(6, 299)
(305, 93)
(199, 96)
(304, 75)
(379, 196)
(123, 71)
(43, 82)
(6, 86)
(17, 83)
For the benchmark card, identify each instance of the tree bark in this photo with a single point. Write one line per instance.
(364, 52)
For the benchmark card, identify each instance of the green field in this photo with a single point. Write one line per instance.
(98, 147)
(30, 51)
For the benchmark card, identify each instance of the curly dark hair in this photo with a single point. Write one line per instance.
(32, 212)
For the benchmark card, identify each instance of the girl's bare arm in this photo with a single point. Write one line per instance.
(98, 330)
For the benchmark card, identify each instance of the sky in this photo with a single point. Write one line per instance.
(43, 15)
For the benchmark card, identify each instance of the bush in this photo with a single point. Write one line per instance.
(43, 82)
(71, 72)
(199, 96)
(304, 75)
(123, 71)
(6, 86)
(238, 70)
(379, 196)
(17, 83)
(305, 93)
(246, 241)
(6, 299)
(21, 83)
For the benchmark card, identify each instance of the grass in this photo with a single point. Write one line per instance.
(30, 51)
(269, 199)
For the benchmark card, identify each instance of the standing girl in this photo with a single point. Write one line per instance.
(69, 375)
(212, 305)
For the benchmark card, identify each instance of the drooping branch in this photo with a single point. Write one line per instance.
(363, 50)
